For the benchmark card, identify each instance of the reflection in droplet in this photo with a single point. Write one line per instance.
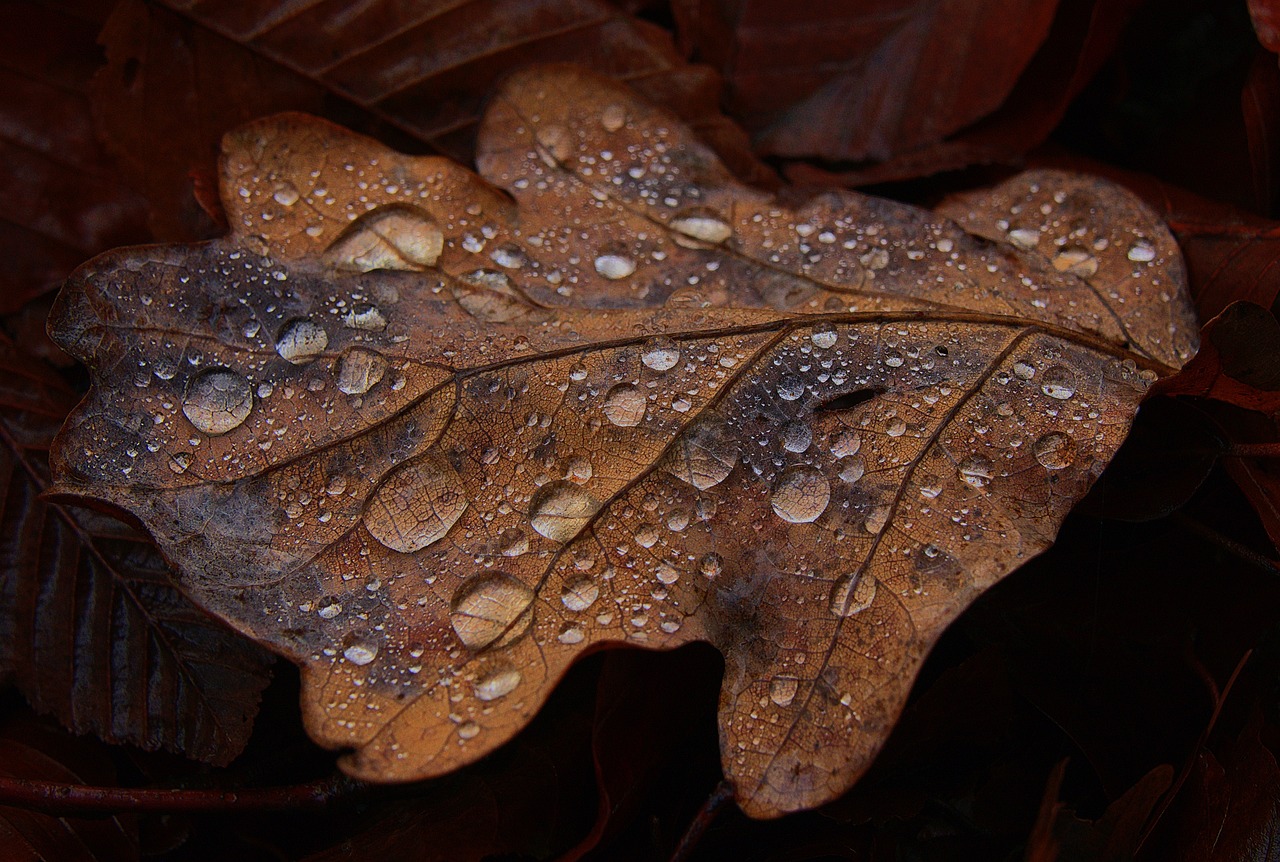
(491, 609)
(852, 593)
(359, 370)
(782, 690)
(499, 683)
(416, 505)
(703, 456)
(800, 495)
(301, 340)
(559, 510)
(976, 471)
(624, 405)
(217, 400)
(660, 354)
(1055, 451)
(615, 266)
(1059, 383)
(580, 594)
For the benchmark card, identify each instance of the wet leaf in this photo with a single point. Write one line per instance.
(92, 629)
(433, 443)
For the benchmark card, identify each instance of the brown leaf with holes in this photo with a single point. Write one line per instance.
(433, 442)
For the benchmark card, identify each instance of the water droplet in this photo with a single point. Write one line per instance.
(509, 256)
(852, 469)
(1055, 451)
(580, 594)
(416, 505)
(361, 653)
(976, 471)
(1142, 252)
(615, 266)
(556, 143)
(782, 690)
(613, 117)
(359, 370)
(667, 573)
(896, 427)
(329, 609)
(1059, 383)
(559, 510)
(660, 354)
(824, 338)
(790, 388)
(624, 405)
(579, 471)
(876, 519)
(571, 634)
(1024, 370)
(796, 436)
(180, 462)
(365, 317)
(800, 495)
(703, 456)
(512, 542)
(286, 195)
(217, 400)
(1076, 261)
(301, 341)
(496, 684)
(394, 238)
(852, 593)
(1025, 238)
(704, 227)
(468, 730)
(711, 565)
(846, 443)
(491, 609)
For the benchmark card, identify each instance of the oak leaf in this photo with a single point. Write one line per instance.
(433, 442)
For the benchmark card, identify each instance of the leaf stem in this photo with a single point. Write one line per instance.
(62, 799)
(1255, 450)
(714, 804)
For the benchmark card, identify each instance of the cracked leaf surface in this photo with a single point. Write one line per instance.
(432, 442)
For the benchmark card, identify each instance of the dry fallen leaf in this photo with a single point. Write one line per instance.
(433, 444)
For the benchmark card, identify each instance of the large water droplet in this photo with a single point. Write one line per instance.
(976, 471)
(367, 318)
(790, 388)
(1142, 252)
(1059, 383)
(624, 405)
(217, 400)
(361, 652)
(703, 456)
(703, 227)
(846, 443)
(498, 683)
(301, 340)
(800, 495)
(580, 594)
(1076, 261)
(416, 505)
(852, 593)
(556, 143)
(613, 117)
(1055, 451)
(711, 565)
(491, 609)
(615, 266)
(824, 339)
(359, 370)
(660, 354)
(796, 436)
(559, 510)
(782, 690)
(396, 238)
(1024, 237)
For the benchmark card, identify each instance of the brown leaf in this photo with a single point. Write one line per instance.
(92, 629)
(432, 444)
(177, 78)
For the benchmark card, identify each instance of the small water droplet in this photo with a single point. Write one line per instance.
(359, 370)
(559, 510)
(711, 565)
(301, 340)
(976, 471)
(852, 594)
(492, 608)
(509, 256)
(800, 495)
(896, 427)
(615, 266)
(391, 238)
(790, 388)
(782, 690)
(704, 227)
(286, 195)
(1024, 370)
(1055, 451)
(556, 143)
(876, 519)
(1059, 383)
(571, 634)
(416, 505)
(496, 684)
(624, 405)
(852, 469)
(180, 462)
(667, 573)
(329, 609)
(217, 400)
(613, 117)
(468, 730)
(660, 354)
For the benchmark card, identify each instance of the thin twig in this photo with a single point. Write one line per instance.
(71, 799)
(707, 814)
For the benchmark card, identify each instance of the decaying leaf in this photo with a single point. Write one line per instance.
(432, 443)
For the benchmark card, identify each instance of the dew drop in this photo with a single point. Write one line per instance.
(359, 370)
(800, 495)
(361, 653)
(1055, 451)
(796, 436)
(1025, 238)
(1076, 261)
(613, 117)
(876, 520)
(782, 690)
(416, 505)
(824, 339)
(571, 634)
(703, 456)
(660, 354)
(710, 566)
(852, 469)
(556, 143)
(976, 471)
(1058, 383)
(667, 574)
(1024, 370)
(703, 227)
(852, 593)
(579, 470)
(580, 594)
(329, 610)
(392, 238)
(180, 462)
(468, 730)
(286, 195)
(615, 266)
(301, 341)
(790, 388)
(624, 405)
(509, 256)
(559, 510)
(499, 683)
(896, 427)
(846, 443)
(217, 400)
(491, 609)
(1142, 252)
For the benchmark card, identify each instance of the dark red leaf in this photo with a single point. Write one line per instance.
(1266, 23)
